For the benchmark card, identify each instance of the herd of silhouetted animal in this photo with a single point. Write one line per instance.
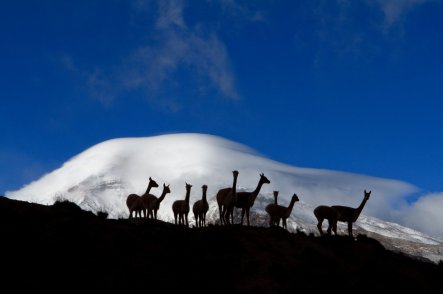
(228, 199)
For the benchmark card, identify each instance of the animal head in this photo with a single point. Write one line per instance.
(295, 197)
(264, 179)
(204, 187)
(367, 194)
(153, 183)
(275, 193)
(166, 189)
(188, 186)
(235, 173)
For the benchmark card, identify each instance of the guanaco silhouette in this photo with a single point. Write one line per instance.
(350, 214)
(226, 199)
(134, 202)
(200, 208)
(181, 208)
(275, 202)
(152, 204)
(275, 197)
(337, 213)
(323, 212)
(278, 212)
(245, 200)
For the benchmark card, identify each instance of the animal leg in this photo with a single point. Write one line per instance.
(247, 216)
(334, 227)
(329, 227)
(221, 214)
(350, 228)
(242, 215)
(319, 226)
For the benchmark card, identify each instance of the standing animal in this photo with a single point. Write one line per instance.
(134, 202)
(245, 200)
(278, 212)
(323, 212)
(200, 208)
(181, 208)
(152, 204)
(226, 199)
(350, 214)
(275, 197)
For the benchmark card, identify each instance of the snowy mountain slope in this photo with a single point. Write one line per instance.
(100, 178)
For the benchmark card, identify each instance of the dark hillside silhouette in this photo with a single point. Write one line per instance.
(63, 249)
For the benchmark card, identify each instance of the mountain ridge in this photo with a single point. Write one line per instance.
(63, 248)
(101, 177)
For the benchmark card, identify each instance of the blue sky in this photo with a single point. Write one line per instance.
(355, 86)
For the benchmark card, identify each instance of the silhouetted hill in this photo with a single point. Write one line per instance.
(66, 249)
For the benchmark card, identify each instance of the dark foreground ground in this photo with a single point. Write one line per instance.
(65, 249)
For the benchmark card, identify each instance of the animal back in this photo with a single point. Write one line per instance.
(132, 200)
(345, 213)
(198, 206)
(242, 200)
(221, 195)
(180, 206)
(149, 201)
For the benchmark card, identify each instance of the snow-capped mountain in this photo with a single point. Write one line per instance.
(100, 179)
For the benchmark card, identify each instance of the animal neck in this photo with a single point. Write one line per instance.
(234, 185)
(360, 208)
(149, 188)
(188, 193)
(162, 196)
(290, 207)
(204, 197)
(258, 188)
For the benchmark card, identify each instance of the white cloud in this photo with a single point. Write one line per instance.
(174, 48)
(204, 55)
(209, 160)
(170, 13)
(426, 214)
(395, 10)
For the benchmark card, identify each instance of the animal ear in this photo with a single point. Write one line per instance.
(365, 191)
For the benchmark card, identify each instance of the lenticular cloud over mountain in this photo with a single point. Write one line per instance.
(100, 178)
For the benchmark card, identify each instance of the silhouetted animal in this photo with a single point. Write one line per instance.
(134, 202)
(221, 196)
(152, 204)
(226, 199)
(181, 208)
(277, 212)
(200, 208)
(245, 200)
(349, 214)
(275, 197)
(323, 212)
